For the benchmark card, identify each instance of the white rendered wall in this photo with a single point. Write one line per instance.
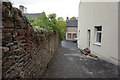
(104, 14)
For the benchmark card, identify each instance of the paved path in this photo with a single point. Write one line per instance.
(69, 62)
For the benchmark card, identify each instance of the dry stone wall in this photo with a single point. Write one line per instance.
(26, 51)
(0, 40)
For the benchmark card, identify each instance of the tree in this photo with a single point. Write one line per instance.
(61, 27)
(52, 16)
(73, 18)
(60, 19)
(50, 23)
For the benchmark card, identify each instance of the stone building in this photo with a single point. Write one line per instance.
(71, 29)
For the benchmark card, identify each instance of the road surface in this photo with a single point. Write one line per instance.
(69, 62)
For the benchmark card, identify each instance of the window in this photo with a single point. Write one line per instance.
(98, 34)
(74, 35)
(69, 35)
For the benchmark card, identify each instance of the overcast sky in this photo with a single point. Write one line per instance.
(62, 8)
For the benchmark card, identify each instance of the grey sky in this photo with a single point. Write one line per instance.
(62, 8)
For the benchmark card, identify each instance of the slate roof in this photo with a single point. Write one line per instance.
(32, 15)
(72, 23)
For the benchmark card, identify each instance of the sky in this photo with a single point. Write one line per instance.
(62, 8)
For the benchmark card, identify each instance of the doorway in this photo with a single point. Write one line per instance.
(89, 37)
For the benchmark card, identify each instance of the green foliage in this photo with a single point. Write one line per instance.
(60, 19)
(38, 27)
(52, 16)
(50, 23)
(73, 18)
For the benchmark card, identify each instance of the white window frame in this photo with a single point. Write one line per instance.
(98, 32)
(97, 42)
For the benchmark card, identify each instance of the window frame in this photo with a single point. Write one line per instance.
(98, 41)
(74, 34)
(98, 32)
(68, 35)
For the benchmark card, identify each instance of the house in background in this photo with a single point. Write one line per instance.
(98, 29)
(71, 29)
(28, 15)
(32, 15)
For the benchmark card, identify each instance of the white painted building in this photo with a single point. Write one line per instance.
(98, 28)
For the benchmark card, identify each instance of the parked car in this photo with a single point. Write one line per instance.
(75, 40)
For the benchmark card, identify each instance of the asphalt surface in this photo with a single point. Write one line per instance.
(69, 62)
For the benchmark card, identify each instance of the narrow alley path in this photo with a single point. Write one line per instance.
(69, 62)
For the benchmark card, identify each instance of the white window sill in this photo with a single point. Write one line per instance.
(97, 44)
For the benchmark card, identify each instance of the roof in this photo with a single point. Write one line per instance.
(32, 15)
(72, 23)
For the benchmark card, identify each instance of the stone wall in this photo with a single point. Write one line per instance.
(26, 51)
(72, 29)
(0, 40)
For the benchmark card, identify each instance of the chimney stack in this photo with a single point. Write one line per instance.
(67, 19)
(23, 9)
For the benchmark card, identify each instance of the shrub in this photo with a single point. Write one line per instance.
(50, 23)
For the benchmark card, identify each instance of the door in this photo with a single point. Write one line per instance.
(89, 36)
